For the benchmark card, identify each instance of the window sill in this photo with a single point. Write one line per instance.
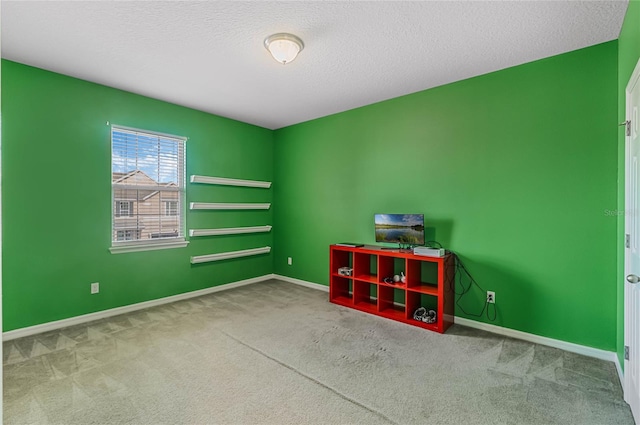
(124, 248)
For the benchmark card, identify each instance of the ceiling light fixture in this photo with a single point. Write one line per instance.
(283, 47)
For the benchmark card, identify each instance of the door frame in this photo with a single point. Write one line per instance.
(635, 76)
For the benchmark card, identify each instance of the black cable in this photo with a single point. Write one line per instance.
(460, 268)
(451, 280)
(495, 312)
(428, 244)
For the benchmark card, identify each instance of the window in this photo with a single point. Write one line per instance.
(171, 208)
(127, 235)
(124, 208)
(148, 190)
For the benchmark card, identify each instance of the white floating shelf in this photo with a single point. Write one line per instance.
(229, 231)
(231, 254)
(229, 182)
(227, 206)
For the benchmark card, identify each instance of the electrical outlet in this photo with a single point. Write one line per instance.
(95, 287)
(491, 297)
(289, 261)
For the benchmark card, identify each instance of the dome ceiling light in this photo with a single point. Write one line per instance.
(283, 47)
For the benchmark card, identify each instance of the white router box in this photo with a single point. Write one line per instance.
(429, 252)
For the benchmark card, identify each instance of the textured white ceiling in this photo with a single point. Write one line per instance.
(210, 56)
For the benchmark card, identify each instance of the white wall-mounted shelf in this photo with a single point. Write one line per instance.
(227, 206)
(232, 254)
(229, 182)
(229, 231)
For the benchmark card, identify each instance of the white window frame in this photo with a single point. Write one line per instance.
(124, 246)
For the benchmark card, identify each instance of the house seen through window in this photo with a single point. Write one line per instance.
(148, 187)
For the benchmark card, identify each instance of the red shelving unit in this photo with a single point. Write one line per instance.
(429, 284)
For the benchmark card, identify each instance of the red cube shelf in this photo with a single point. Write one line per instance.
(428, 284)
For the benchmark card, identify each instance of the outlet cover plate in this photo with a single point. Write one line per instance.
(491, 297)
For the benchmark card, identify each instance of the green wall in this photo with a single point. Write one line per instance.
(628, 54)
(515, 170)
(56, 171)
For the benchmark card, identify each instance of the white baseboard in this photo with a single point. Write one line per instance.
(620, 372)
(300, 282)
(50, 326)
(556, 343)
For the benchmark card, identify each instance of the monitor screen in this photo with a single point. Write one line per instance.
(400, 228)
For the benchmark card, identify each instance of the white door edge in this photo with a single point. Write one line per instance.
(635, 79)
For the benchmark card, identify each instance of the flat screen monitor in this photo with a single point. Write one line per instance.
(404, 229)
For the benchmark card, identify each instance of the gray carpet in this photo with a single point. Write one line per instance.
(277, 353)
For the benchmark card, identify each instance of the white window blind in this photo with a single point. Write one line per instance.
(148, 187)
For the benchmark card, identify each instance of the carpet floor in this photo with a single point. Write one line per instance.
(278, 353)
